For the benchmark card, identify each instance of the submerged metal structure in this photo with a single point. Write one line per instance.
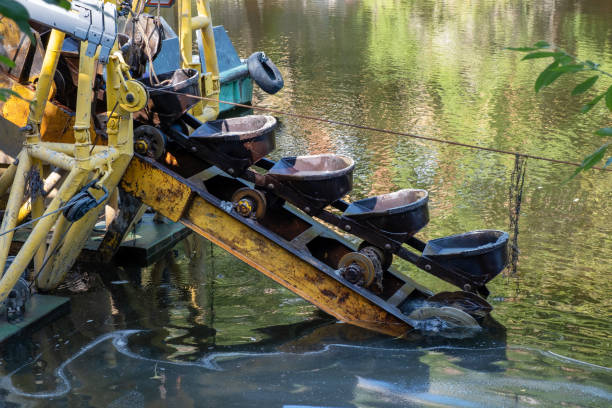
(283, 218)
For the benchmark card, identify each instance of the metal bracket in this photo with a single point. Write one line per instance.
(88, 20)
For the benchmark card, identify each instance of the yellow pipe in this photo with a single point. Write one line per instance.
(38, 207)
(185, 33)
(7, 178)
(211, 86)
(39, 234)
(111, 162)
(82, 121)
(61, 160)
(49, 184)
(199, 22)
(45, 79)
(67, 148)
(114, 75)
(12, 207)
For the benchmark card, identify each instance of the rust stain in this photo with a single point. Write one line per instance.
(328, 293)
(270, 258)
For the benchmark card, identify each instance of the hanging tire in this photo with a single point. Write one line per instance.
(264, 73)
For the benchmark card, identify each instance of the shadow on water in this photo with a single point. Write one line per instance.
(192, 330)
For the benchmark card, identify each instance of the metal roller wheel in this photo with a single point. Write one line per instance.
(134, 98)
(385, 257)
(249, 203)
(468, 302)
(357, 268)
(375, 256)
(447, 314)
(149, 141)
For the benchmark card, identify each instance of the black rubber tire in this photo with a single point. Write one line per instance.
(265, 74)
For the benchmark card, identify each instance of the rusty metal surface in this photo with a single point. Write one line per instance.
(131, 210)
(156, 188)
(267, 252)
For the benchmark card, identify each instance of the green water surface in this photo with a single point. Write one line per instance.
(199, 328)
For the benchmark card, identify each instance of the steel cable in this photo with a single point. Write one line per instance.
(388, 131)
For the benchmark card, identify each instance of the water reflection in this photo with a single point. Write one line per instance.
(212, 331)
(165, 337)
(439, 68)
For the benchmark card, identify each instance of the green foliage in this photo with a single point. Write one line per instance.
(7, 61)
(18, 13)
(564, 63)
(592, 159)
(590, 105)
(585, 86)
(604, 132)
(7, 93)
(542, 54)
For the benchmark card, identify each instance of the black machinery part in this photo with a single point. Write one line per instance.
(149, 141)
(385, 257)
(17, 299)
(249, 203)
(363, 269)
(82, 202)
(265, 74)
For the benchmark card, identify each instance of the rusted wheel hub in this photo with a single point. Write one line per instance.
(447, 314)
(363, 268)
(149, 141)
(249, 203)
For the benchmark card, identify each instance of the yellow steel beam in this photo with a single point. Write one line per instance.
(209, 78)
(178, 200)
(45, 79)
(72, 183)
(11, 212)
(7, 178)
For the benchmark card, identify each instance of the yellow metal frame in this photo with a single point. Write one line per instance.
(209, 83)
(147, 181)
(82, 160)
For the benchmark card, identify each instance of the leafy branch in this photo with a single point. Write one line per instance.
(565, 63)
(18, 13)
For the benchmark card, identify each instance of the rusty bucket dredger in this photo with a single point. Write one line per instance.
(282, 200)
(155, 140)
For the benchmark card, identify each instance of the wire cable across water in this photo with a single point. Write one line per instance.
(388, 131)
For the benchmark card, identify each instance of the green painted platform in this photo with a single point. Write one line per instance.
(145, 244)
(40, 310)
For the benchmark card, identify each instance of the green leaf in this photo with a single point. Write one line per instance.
(608, 162)
(547, 77)
(16, 12)
(607, 131)
(609, 98)
(585, 86)
(7, 61)
(5, 94)
(542, 54)
(592, 64)
(541, 44)
(591, 160)
(569, 68)
(564, 59)
(590, 105)
(522, 49)
(594, 158)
